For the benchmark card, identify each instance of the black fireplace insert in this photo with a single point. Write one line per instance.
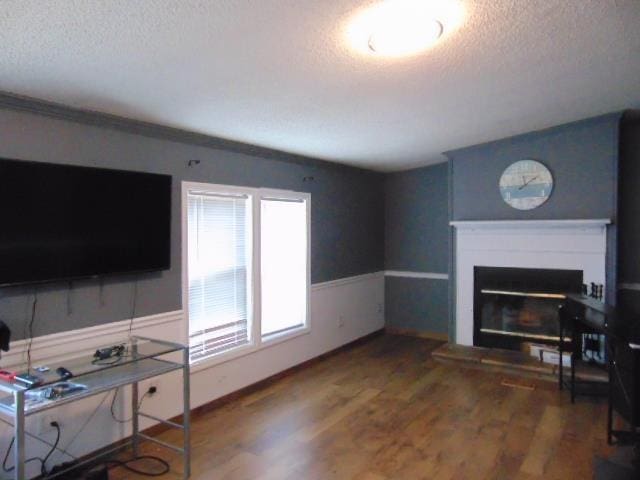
(514, 306)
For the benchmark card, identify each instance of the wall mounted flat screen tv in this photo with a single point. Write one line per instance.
(60, 222)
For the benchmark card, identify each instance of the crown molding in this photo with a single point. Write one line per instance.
(22, 103)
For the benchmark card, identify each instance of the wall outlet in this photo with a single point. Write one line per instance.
(340, 321)
(380, 308)
(151, 388)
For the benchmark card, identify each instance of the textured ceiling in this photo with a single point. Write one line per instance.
(280, 73)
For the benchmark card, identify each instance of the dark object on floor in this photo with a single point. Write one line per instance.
(98, 472)
(622, 465)
(607, 470)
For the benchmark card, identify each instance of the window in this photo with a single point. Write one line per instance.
(246, 267)
(283, 264)
(219, 256)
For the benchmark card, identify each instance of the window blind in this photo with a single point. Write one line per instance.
(219, 256)
(283, 269)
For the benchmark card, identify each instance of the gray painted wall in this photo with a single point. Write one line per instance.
(417, 240)
(416, 220)
(418, 304)
(347, 226)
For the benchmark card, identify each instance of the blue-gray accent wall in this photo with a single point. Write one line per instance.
(347, 224)
(582, 157)
(417, 240)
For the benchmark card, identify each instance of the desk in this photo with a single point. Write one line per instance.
(143, 358)
(621, 330)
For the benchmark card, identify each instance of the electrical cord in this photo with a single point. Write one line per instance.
(31, 322)
(43, 462)
(43, 469)
(113, 401)
(109, 361)
(110, 464)
(134, 304)
(84, 425)
(39, 439)
(6, 457)
(125, 464)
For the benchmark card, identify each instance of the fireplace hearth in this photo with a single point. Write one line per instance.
(514, 307)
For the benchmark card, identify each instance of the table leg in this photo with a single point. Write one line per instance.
(573, 365)
(18, 453)
(561, 350)
(186, 415)
(135, 427)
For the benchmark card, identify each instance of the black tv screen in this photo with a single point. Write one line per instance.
(63, 222)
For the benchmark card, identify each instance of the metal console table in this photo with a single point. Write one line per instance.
(140, 360)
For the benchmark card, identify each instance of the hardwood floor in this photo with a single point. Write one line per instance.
(386, 410)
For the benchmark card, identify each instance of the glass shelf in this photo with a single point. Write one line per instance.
(135, 350)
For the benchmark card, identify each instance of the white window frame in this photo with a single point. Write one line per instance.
(257, 341)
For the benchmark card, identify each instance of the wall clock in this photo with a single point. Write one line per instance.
(526, 184)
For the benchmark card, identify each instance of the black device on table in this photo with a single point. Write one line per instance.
(109, 352)
(64, 373)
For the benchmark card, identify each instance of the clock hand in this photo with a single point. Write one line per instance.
(527, 182)
(524, 183)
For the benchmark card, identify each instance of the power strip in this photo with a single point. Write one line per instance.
(99, 472)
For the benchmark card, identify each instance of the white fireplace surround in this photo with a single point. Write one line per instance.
(556, 244)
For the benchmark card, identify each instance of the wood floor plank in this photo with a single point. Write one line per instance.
(385, 411)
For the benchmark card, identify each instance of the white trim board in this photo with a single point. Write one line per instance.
(345, 280)
(500, 224)
(408, 274)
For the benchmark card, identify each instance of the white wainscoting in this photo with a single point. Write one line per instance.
(358, 300)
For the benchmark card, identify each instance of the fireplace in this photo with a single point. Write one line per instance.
(518, 306)
(578, 245)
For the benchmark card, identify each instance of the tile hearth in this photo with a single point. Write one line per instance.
(507, 361)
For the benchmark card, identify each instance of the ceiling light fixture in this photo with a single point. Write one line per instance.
(405, 38)
(396, 28)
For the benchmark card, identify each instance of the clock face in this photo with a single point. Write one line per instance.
(526, 184)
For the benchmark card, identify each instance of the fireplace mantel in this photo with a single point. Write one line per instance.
(493, 224)
(553, 244)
